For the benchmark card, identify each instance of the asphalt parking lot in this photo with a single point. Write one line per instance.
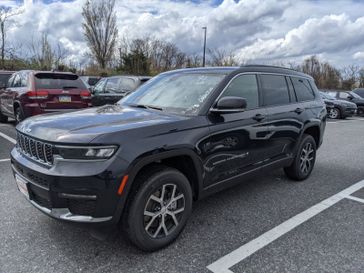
(268, 224)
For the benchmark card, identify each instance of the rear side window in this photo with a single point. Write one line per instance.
(343, 95)
(112, 85)
(303, 89)
(275, 91)
(58, 81)
(244, 86)
(127, 84)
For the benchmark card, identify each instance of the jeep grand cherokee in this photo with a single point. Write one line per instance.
(180, 137)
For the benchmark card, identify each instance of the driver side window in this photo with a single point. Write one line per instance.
(244, 86)
(112, 85)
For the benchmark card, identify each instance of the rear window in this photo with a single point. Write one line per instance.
(58, 81)
(303, 89)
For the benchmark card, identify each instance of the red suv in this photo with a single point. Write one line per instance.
(30, 93)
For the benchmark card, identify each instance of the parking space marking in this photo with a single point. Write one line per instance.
(223, 264)
(355, 199)
(8, 138)
(5, 160)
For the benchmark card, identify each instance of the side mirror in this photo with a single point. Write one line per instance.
(350, 97)
(92, 90)
(227, 105)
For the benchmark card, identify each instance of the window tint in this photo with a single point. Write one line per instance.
(112, 85)
(291, 90)
(4, 78)
(24, 79)
(303, 89)
(275, 91)
(360, 92)
(126, 84)
(244, 86)
(17, 81)
(343, 95)
(99, 87)
(58, 81)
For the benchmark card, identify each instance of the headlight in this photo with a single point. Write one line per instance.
(86, 153)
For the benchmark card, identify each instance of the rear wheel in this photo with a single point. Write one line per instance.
(304, 161)
(158, 210)
(335, 113)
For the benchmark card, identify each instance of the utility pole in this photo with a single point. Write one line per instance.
(204, 47)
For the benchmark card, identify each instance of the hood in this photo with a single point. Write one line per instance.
(83, 126)
(346, 103)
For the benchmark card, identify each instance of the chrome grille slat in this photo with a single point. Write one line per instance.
(35, 149)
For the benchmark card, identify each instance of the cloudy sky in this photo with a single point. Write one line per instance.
(259, 31)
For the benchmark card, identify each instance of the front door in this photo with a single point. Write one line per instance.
(237, 141)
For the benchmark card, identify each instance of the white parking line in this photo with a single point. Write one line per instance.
(355, 199)
(5, 160)
(8, 138)
(223, 264)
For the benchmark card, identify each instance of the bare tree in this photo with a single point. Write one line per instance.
(361, 78)
(5, 14)
(350, 76)
(100, 29)
(44, 56)
(220, 57)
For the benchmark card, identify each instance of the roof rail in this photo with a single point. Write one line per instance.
(264, 65)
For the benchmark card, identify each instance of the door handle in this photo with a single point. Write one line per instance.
(299, 110)
(259, 117)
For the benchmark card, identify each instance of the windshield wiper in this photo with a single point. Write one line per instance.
(146, 106)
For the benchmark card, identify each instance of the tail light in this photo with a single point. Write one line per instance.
(84, 94)
(40, 94)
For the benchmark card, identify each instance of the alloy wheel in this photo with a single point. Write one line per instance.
(334, 113)
(163, 211)
(307, 157)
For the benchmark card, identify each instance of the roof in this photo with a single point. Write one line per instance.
(244, 68)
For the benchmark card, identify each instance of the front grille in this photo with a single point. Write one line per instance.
(37, 150)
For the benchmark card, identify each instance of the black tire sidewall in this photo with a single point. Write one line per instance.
(137, 233)
(299, 173)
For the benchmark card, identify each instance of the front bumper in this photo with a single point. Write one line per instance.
(84, 199)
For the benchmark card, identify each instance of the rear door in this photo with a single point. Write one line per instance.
(237, 141)
(286, 114)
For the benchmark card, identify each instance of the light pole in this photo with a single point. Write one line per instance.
(204, 47)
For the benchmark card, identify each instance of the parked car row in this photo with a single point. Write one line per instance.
(343, 104)
(27, 93)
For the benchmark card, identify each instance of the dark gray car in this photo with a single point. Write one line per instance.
(338, 109)
(112, 89)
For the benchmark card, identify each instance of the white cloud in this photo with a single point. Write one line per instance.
(254, 29)
(359, 55)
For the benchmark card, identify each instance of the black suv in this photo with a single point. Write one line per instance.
(183, 135)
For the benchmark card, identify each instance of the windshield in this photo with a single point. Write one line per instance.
(182, 93)
(355, 95)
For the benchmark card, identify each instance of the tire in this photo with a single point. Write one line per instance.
(3, 118)
(18, 114)
(360, 112)
(335, 113)
(147, 221)
(303, 162)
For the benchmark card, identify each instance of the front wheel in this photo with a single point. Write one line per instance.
(18, 113)
(304, 160)
(158, 209)
(334, 113)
